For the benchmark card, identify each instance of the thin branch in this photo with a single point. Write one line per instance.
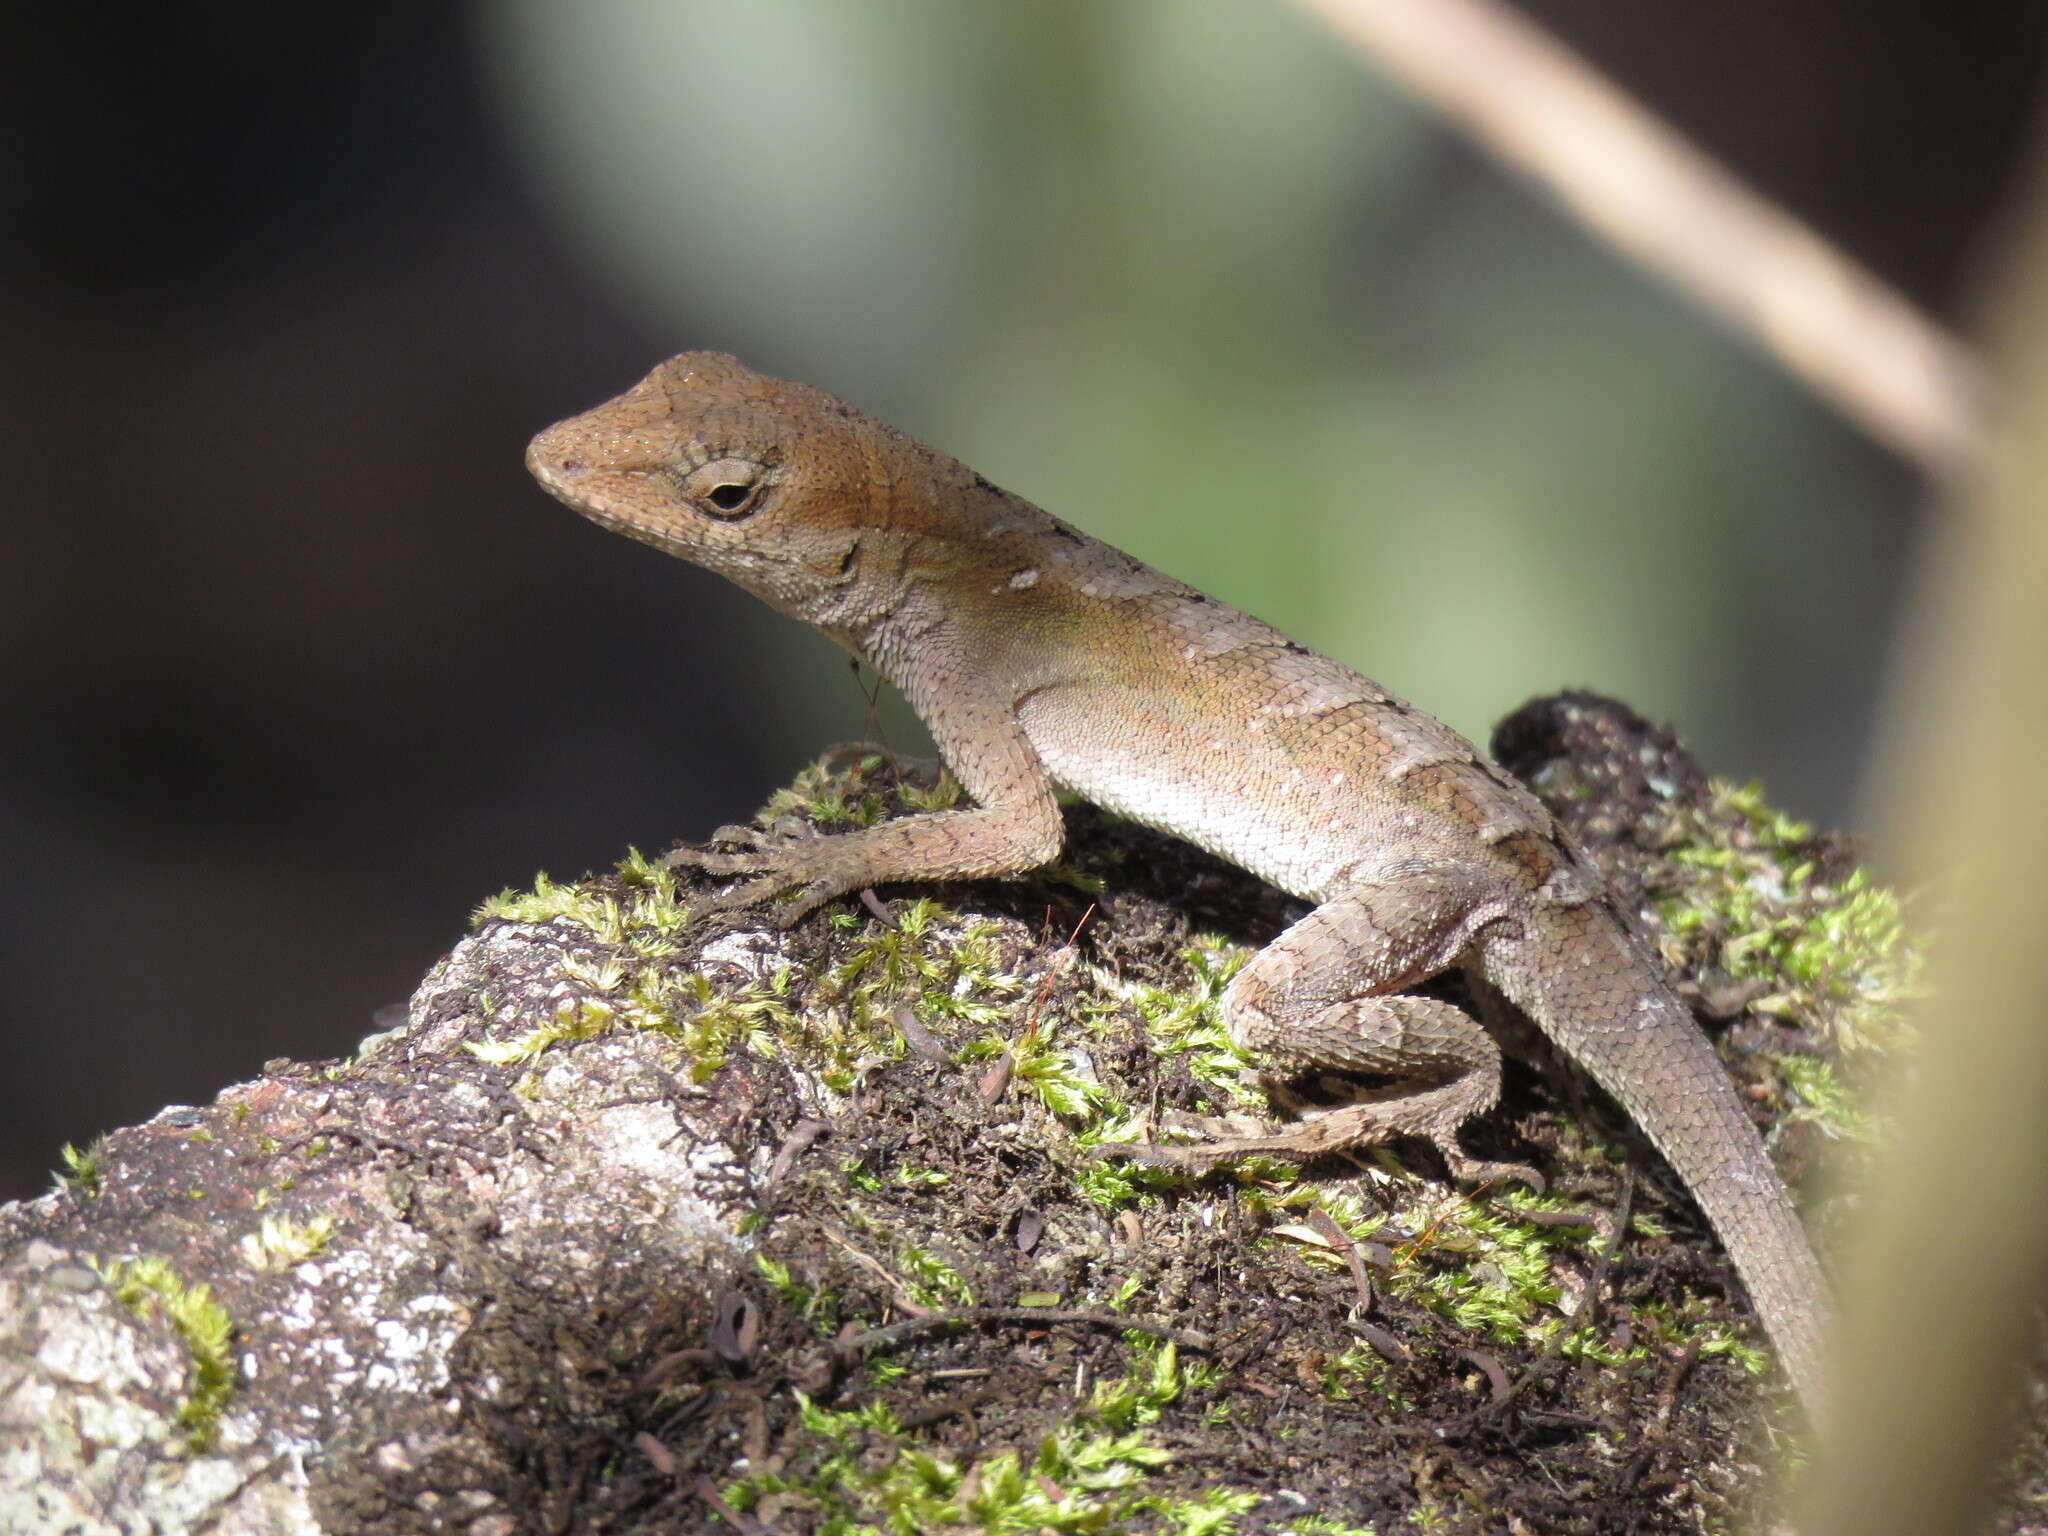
(1936, 1337)
(1853, 339)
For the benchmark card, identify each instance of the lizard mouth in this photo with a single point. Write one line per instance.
(567, 476)
(603, 493)
(577, 485)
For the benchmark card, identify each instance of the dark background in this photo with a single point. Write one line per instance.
(297, 666)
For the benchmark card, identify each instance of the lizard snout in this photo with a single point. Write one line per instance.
(555, 463)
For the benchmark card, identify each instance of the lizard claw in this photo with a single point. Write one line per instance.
(750, 836)
(769, 871)
(774, 864)
(1473, 1170)
(1197, 1159)
(758, 850)
(1300, 1142)
(760, 894)
(714, 862)
(765, 853)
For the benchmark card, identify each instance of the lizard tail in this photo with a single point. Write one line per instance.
(1593, 989)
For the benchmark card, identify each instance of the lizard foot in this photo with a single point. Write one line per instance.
(759, 852)
(777, 864)
(771, 873)
(760, 895)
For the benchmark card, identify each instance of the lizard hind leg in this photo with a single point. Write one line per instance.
(1324, 995)
(1431, 1099)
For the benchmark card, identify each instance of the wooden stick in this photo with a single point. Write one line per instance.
(1852, 338)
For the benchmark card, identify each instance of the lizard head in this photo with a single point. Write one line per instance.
(774, 485)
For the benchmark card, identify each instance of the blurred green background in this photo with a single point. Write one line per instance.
(297, 665)
(1189, 275)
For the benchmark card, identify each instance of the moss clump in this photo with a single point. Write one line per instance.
(623, 973)
(146, 1285)
(628, 928)
(638, 912)
(1077, 1033)
(81, 1170)
(1760, 898)
(281, 1243)
(1752, 898)
(840, 790)
(864, 1472)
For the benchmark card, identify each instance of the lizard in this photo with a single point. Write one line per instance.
(1041, 657)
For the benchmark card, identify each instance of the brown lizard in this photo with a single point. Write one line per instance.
(1040, 656)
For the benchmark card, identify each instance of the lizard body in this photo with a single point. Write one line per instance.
(1037, 655)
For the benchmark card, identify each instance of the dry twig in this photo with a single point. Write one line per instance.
(1642, 187)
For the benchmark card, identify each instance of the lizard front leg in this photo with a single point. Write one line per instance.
(1014, 825)
(1328, 993)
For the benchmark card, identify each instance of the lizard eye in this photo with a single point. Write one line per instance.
(727, 488)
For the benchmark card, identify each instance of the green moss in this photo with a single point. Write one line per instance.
(1181, 1023)
(941, 966)
(575, 1018)
(837, 790)
(1666, 1331)
(1747, 905)
(863, 1472)
(643, 921)
(1819, 1094)
(944, 795)
(624, 982)
(281, 1243)
(1187, 1022)
(1474, 1260)
(933, 949)
(930, 1281)
(81, 1171)
(819, 1307)
(682, 1005)
(1361, 1372)
(147, 1285)
(945, 968)
(858, 1178)
(1752, 900)
(927, 1280)
(548, 902)
(1044, 1065)
(1468, 1259)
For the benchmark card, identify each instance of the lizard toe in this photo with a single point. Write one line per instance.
(1152, 1154)
(1473, 1170)
(745, 836)
(713, 861)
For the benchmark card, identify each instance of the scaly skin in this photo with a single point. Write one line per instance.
(1037, 655)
